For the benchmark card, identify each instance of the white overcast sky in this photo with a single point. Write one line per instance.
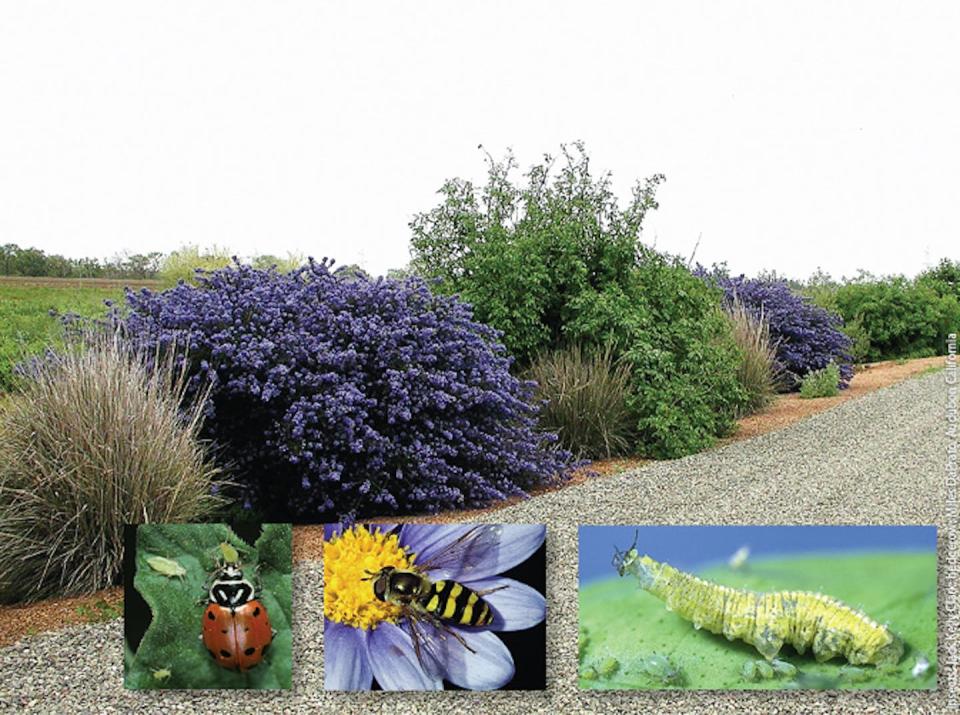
(793, 135)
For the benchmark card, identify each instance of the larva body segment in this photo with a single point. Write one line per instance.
(768, 620)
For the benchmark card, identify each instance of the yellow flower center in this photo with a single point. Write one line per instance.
(348, 560)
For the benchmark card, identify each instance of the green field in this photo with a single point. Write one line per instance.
(26, 326)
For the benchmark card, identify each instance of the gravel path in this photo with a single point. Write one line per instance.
(875, 460)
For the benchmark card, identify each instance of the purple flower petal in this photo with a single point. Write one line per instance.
(345, 664)
(331, 530)
(518, 542)
(488, 668)
(495, 548)
(514, 608)
(395, 664)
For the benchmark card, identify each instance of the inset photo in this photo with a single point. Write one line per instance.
(207, 606)
(433, 607)
(758, 607)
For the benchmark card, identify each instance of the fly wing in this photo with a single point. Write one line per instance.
(425, 646)
(436, 644)
(465, 552)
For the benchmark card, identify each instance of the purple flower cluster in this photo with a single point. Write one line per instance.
(352, 397)
(807, 337)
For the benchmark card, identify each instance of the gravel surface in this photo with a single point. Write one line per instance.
(875, 460)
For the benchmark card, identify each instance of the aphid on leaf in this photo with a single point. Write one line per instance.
(229, 553)
(768, 620)
(167, 567)
(608, 667)
(755, 670)
(161, 674)
(660, 667)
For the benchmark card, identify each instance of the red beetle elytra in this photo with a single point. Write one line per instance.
(236, 628)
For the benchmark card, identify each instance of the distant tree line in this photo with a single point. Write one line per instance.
(17, 261)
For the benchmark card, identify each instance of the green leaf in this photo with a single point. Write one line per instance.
(172, 641)
(620, 621)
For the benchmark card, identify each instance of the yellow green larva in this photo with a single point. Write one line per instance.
(768, 620)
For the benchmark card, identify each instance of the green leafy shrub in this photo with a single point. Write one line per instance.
(758, 369)
(902, 318)
(669, 327)
(171, 641)
(183, 264)
(585, 395)
(522, 256)
(824, 382)
(556, 262)
(92, 439)
(944, 278)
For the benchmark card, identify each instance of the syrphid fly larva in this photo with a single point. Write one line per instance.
(430, 607)
(767, 620)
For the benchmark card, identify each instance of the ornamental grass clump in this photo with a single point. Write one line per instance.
(584, 401)
(807, 337)
(758, 374)
(350, 397)
(93, 437)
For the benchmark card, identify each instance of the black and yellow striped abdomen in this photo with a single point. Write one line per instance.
(456, 603)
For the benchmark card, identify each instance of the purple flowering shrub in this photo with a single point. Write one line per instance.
(352, 397)
(807, 337)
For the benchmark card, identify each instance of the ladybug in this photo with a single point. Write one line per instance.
(236, 628)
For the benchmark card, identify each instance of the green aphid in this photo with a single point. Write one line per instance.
(167, 567)
(756, 670)
(783, 669)
(608, 667)
(161, 674)
(660, 667)
(589, 673)
(230, 554)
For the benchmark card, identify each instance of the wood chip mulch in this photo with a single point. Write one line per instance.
(25, 619)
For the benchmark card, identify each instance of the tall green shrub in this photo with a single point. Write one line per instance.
(92, 439)
(670, 328)
(522, 255)
(902, 318)
(556, 260)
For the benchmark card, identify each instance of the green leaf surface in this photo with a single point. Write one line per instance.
(173, 639)
(620, 621)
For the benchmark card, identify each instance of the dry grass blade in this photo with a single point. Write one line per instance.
(93, 438)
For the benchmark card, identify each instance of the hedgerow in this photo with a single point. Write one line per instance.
(807, 337)
(903, 318)
(555, 261)
(349, 396)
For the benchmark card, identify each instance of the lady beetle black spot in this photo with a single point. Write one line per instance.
(211, 616)
(225, 653)
(250, 651)
(256, 611)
